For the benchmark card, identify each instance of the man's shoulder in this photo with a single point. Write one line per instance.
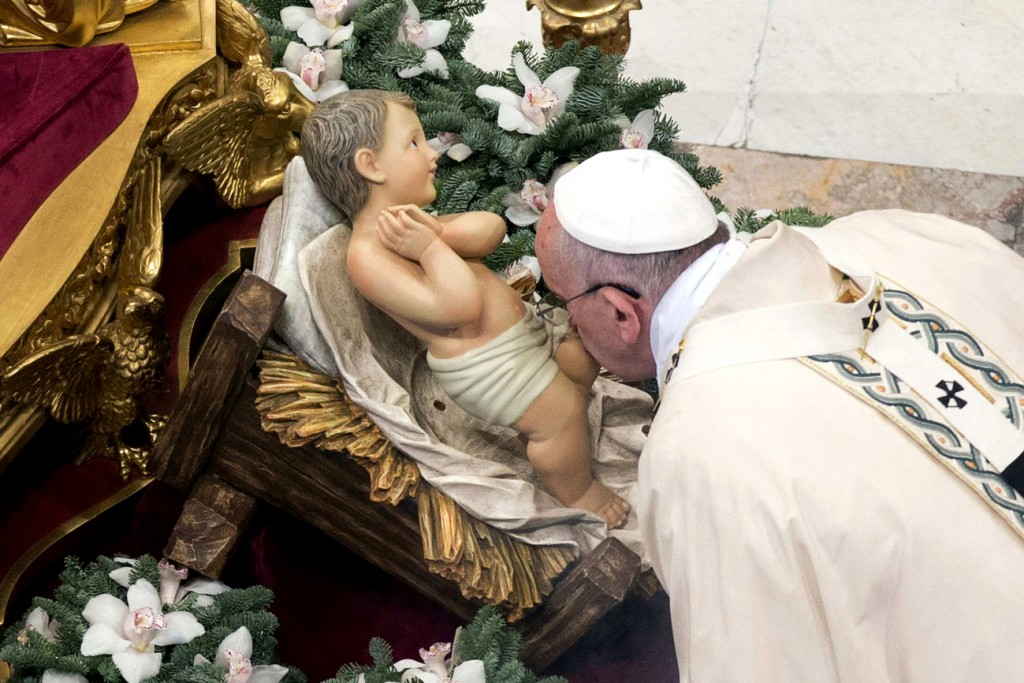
(898, 226)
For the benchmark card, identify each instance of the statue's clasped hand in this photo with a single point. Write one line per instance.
(404, 234)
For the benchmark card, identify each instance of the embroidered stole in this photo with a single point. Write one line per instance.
(862, 376)
(894, 351)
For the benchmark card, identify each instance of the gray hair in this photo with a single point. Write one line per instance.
(338, 128)
(650, 274)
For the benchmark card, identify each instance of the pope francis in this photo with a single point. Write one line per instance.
(830, 486)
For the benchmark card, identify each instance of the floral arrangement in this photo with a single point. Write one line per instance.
(139, 620)
(485, 650)
(504, 136)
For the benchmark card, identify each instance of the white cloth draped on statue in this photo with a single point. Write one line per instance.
(302, 251)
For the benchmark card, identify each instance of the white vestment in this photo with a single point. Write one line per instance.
(800, 533)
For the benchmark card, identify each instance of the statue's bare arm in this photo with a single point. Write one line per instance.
(436, 290)
(472, 235)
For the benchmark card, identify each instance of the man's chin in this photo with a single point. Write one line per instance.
(628, 371)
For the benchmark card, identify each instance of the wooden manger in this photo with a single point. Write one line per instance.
(253, 425)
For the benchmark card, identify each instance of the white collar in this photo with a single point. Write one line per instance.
(685, 296)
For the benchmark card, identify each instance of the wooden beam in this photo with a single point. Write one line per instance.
(212, 522)
(600, 581)
(234, 341)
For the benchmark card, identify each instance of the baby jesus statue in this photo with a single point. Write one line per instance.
(494, 355)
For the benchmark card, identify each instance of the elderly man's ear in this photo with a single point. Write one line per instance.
(628, 314)
(367, 166)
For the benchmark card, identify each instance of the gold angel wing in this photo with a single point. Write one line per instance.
(64, 377)
(142, 254)
(240, 37)
(304, 407)
(215, 139)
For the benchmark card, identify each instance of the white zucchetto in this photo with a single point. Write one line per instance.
(633, 201)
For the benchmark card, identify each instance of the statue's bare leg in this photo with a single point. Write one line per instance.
(555, 425)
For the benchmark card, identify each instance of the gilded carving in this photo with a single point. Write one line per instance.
(246, 138)
(304, 407)
(604, 23)
(66, 361)
(100, 376)
(62, 22)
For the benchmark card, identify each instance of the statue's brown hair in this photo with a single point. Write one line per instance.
(335, 131)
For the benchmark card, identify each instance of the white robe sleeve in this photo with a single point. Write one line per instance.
(731, 552)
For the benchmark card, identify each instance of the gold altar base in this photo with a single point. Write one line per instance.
(604, 23)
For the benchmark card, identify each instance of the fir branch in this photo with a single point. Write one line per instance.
(802, 215)
(519, 244)
(460, 8)
(381, 653)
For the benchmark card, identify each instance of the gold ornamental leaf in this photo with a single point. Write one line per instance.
(240, 37)
(215, 140)
(65, 377)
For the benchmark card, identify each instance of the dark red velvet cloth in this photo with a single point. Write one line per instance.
(56, 106)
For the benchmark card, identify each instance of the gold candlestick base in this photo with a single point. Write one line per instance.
(604, 23)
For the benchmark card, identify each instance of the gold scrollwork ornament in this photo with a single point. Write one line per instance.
(604, 23)
(246, 138)
(63, 22)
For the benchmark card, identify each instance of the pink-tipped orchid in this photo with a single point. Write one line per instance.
(435, 668)
(327, 22)
(234, 657)
(129, 633)
(452, 145)
(172, 590)
(638, 133)
(524, 208)
(540, 103)
(427, 35)
(316, 73)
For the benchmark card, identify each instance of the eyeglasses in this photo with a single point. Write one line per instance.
(551, 302)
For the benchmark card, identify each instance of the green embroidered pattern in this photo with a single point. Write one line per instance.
(880, 388)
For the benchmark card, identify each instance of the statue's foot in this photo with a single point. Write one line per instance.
(600, 500)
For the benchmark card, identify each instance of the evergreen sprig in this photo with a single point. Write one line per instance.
(488, 638)
(749, 220)
(31, 652)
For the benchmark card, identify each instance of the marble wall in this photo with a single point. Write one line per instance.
(935, 83)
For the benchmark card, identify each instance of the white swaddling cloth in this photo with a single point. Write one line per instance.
(497, 382)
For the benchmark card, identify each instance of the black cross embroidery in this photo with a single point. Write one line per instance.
(870, 322)
(950, 398)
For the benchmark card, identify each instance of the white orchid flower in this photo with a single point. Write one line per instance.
(315, 72)
(540, 103)
(452, 145)
(234, 657)
(54, 676)
(426, 35)
(435, 669)
(326, 22)
(525, 207)
(638, 133)
(39, 621)
(129, 633)
(172, 590)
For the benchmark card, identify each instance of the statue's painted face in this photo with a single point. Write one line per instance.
(408, 162)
